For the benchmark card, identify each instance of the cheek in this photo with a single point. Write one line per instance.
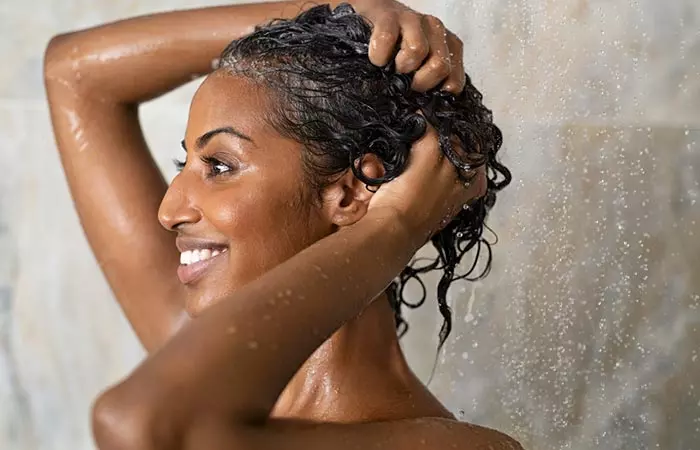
(264, 227)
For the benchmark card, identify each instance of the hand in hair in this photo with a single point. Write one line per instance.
(431, 191)
(425, 46)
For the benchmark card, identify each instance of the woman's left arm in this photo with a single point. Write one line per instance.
(226, 369)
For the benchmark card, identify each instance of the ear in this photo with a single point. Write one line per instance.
(347, 199)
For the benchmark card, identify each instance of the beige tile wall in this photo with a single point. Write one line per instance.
(584, 336)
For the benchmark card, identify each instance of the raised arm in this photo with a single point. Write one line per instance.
(95, 80)
(215, 383)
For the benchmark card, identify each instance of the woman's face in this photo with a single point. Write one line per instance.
(238, 205)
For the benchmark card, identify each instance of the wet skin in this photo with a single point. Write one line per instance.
(250, 200)
(232, 361)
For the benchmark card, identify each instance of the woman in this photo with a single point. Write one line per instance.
(311, 179)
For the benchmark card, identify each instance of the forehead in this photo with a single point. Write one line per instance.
(224, 100)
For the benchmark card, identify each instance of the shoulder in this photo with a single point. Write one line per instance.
(404, 434)
(466, 436)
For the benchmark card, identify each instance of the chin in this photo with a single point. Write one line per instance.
(197, 304)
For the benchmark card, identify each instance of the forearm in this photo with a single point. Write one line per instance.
(95, 79)
(134, 60)
(273, 325)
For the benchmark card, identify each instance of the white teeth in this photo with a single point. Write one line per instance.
(185, 257)
(193, 256)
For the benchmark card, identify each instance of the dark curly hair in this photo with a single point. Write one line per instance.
(334, 101)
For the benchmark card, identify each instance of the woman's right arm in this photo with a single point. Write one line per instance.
(95, 80)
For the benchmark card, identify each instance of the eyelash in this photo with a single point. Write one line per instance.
(211, 162)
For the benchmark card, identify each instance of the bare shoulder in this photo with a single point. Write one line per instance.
(466, 436)
(404, 434)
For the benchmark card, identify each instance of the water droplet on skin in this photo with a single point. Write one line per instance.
(288, 292)
(231, 330)
(252, 345)
(267, 317)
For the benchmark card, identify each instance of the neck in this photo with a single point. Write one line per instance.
(362, 357)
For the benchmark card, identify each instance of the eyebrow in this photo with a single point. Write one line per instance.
(206, 137)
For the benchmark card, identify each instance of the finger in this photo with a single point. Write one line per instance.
(414, 44)
(383, 40)
(438, 65)
(426, 152)
(457, 79)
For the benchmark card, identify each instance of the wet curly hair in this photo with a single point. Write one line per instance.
(341, 107)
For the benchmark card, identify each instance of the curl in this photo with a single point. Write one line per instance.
(329, 97)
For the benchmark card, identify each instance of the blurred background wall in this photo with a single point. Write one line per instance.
(586, 333)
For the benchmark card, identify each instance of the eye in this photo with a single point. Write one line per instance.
(216, 166)
(179, 165)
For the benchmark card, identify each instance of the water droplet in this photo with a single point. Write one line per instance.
(252, 345)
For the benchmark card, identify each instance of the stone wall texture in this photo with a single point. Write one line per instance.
(585, 335)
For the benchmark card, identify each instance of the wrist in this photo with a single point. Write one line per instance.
(397, 225)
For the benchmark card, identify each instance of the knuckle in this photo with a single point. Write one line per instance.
(386, 36)
(416, 49)
(440, 66)
(434, 22)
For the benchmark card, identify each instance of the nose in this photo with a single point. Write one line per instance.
(177, 207)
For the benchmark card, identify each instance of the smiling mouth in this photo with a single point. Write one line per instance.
(194, 263)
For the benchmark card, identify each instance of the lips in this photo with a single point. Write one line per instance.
(190, 273)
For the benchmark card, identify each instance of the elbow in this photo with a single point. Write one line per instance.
(65, 65)
(121, 420)
(57, 64)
